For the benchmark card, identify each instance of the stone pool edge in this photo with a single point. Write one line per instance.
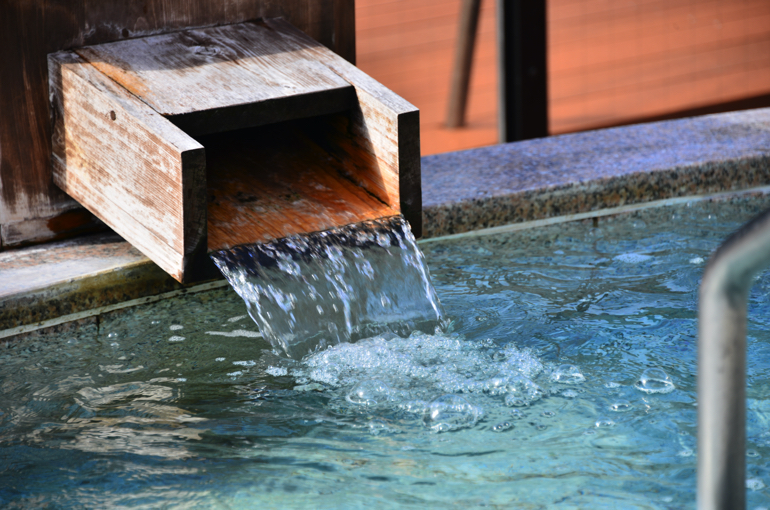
(462, 191)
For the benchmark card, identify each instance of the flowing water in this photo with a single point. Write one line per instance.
(562, 374)
(311, 291)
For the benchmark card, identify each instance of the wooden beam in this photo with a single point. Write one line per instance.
(386, 127)
(224, 78)
(523, 105)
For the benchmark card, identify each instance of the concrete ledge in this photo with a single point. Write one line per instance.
(462, 191)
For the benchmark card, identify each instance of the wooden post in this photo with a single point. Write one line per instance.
(523, 104)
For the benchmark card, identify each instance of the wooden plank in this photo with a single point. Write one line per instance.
(224, 78)
(128, 165)
(276, 181)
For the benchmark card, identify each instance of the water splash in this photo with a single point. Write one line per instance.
(307, 292)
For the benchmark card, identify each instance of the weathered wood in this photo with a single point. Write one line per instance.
(131, 167)
(224, 78)
(116, 150)
(30, 29)
(74, 221)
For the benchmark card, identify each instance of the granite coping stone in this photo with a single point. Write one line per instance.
(592, 170)
(462, 191)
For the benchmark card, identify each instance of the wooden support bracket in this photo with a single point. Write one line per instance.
(199, 140)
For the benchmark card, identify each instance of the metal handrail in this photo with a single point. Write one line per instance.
(722, 312)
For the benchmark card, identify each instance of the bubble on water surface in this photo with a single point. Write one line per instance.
(423, 365)
(755, 484)
(414, 406)
(175, 327)
(451, 412)
(522, 392)
(696, 260)
(621, 406)
(655, 380)
(369, 393)
(567, 374)
(600, 424)
(502, 427)
(176, 338)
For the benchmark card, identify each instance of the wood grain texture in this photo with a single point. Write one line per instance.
(131, 167)
(31, 29)
(116, 151)
(279, 180)
(195, 73)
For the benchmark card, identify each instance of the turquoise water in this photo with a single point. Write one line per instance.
(565, 379)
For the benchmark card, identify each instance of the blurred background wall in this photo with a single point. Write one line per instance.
(610, 62)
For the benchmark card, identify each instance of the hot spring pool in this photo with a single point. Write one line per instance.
(533, 398)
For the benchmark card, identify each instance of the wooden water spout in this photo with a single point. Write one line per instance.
(204, 139)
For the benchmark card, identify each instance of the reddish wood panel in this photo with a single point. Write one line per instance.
(409, 46)
(30, 30)
(280, 180)
(615, 62)
(609, 62)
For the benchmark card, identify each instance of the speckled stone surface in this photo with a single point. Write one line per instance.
(566, 174)
(47, 281)
(462, 191)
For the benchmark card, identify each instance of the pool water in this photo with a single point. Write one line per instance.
(565, 379)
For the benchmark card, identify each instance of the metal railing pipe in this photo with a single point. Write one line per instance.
(722, 311)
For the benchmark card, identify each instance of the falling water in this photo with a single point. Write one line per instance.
(310, 291)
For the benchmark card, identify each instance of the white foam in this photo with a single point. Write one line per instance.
(632, 258)
(238, 333)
